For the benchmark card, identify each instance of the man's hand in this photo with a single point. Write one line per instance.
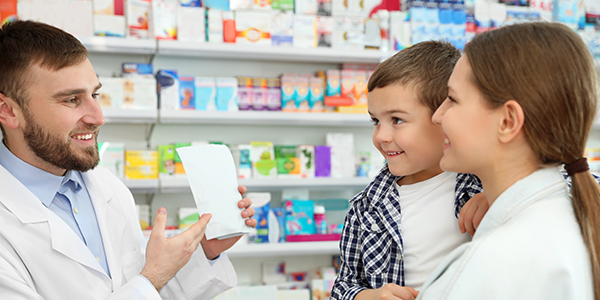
(390, 291)
(213, 248)
(166, 256)
(471, 214)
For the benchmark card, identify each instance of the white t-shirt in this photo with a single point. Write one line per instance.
(427, 210)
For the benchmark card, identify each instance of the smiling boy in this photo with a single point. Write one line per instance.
(404, 222)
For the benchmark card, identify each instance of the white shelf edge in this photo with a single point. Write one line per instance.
(284, 249)
(102, 44)
(112, 115)
(257, 52)
(181, 185)
(141, 185)
(263, 118)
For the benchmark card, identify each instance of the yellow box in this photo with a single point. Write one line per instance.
(142, 164)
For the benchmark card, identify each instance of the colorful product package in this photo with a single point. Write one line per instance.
(179, 170)
(306, 153)
(315, 96)
(299, 217)
(138, 14)
(364, 163)
(333, 83)
(283, 151)
(142, 164)
(130, 70)
(273, 94)
(288, 167)
(205, 93)
(214, 23)
(262, 4)
(259, 93)
(288, 93)
(190, 24)
(191, 3)
(305, 31)
(168, 89)
(262, 158)
(139, 93)
(261, 204)
(245, 92)
(253, 27)
(283, 5)
(279, 213)
(227, 92)
(187, 217)
(216, 4)
(400, 30)
(112, 157)
(325, 27)
(186, 92)
(282, 28)
(166, 160)
(342, 154)
(110, 94)
(164, 14)
(301, 100)
(241, 154)
(322, 161)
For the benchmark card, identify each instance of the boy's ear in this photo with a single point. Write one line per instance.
(512, 119)
(9, 110)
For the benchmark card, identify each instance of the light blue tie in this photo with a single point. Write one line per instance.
(82, 218)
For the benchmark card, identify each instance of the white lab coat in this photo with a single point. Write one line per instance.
(42, 258)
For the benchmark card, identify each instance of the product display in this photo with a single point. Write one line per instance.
(270, 164)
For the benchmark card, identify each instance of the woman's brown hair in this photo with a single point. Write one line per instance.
(548, 70)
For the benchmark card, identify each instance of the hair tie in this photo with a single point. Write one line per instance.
(580, 165)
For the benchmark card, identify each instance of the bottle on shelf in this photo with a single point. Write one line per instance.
(320, 219)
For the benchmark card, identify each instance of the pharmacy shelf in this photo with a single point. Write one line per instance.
(101, 44)
(181, 185)
(284, 249)
(255, 52)
(142, 186)
(128, 116)
(263, 118)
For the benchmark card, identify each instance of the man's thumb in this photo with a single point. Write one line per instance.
(160, 222)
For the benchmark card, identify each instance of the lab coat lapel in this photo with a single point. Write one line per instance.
(65, 241)
(110, 222)
(29, 209)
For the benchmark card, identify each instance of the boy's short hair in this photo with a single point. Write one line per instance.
(425, 66)
(26, 43)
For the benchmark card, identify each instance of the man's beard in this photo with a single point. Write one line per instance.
(56, 151)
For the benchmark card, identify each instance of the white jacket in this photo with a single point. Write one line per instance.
(527, 246)
(42, 258)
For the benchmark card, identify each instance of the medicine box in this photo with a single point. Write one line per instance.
(142, 164)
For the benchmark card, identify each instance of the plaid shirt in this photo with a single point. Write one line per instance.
(371, 244)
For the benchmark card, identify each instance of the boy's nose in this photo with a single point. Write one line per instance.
(383, 135)
(439, 113)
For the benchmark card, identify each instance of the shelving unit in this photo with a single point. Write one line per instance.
(181, 185)
(263, 118)
(284, 249)
(129, 116)
(100, 44)
(253, 52)
(159, 127)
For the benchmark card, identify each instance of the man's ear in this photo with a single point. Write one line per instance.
(9, 111)
(511, 121)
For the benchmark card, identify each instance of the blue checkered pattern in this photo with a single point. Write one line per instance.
(371, 244)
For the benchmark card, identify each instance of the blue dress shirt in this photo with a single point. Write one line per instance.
(66, 196)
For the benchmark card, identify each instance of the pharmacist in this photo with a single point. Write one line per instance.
(69, 230)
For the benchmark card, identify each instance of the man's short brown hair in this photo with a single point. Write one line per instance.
(27, 43)
(425, 66)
